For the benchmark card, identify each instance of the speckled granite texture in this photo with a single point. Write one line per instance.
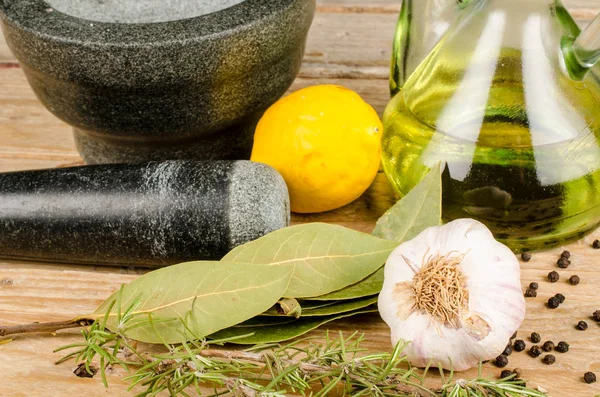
(191, 88)
(139, 11)
(149, 215)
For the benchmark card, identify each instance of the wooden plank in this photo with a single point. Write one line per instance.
(19, 164)
(30, 137)
(394, 5)
(29, 131)
(45, 292)
(345, 42)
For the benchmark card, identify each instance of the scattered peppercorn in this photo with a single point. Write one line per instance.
(82, 372)
(565, 254)
(563, 263)
(507, 350)
(530, 293)
(514, 336)
(596, 315)
(560, 297)
(562, 347)
(553, 276)
(535, 351)
(535, 337)
(502, 361)
(589, 377)
(526, 256)
(553, 302)
(506, 373)
(549, 359)
(519, 345)
(574, 280)
(596, 244)
(534, 286)
(548, 346)
(582, 326)
(518, 372)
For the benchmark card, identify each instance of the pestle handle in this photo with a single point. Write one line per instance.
(148, 215)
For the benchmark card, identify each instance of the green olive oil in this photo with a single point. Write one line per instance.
(507, 163)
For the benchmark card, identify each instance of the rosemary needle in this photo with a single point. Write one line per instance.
(310, 366)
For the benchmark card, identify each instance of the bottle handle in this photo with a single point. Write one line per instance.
(582, 53)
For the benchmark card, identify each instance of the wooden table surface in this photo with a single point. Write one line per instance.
(349, 44)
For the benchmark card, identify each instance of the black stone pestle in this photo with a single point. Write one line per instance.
(147, 215)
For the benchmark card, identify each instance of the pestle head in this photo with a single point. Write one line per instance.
(259, 201)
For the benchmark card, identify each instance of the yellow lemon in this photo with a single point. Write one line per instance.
(326, 143)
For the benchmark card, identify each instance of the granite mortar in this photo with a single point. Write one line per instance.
(188, 88)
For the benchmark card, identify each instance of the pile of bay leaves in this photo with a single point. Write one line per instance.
(277, 287)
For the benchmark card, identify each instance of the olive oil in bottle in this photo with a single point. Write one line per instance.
(519, 138)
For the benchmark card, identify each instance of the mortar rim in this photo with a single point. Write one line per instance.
(32, 16)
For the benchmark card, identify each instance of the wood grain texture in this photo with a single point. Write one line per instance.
(45, 292)
(30, 132)
(348, 45)
(352, 38)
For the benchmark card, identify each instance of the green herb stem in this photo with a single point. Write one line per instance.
(49, 327)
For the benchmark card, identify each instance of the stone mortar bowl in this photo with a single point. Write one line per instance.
(159, 79)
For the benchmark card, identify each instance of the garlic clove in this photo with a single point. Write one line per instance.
(481, 305)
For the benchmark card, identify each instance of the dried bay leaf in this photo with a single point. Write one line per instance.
(279, 329)
(369, 286)
(285, 307)
(419, 209)
(311, 304)
(325, 257)
(318, 308)
(339, 307)
(205, 297)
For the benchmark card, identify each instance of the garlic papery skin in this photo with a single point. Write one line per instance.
(454, 293)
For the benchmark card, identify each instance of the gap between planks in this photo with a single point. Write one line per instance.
(586, 14)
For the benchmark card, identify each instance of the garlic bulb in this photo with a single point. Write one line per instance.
(454, 292)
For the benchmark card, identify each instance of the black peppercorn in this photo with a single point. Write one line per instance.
(548, 346)
(501, 361)
(596, 244)
(534, 286)
(582, 326)
(514, 336)
(507, 350)
(530, 293)
(526, 256)
(553, 302)
(560, 297)
(553, 276)
(535, 337)
(574, 280)
(562, 347)
(563, 263)
(565, 254)
(506, 373)
(596, 315)
(519, 346)
(535, 351)
(549, 359)
(589, 377)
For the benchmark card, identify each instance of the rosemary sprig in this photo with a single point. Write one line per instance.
(310, 366)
